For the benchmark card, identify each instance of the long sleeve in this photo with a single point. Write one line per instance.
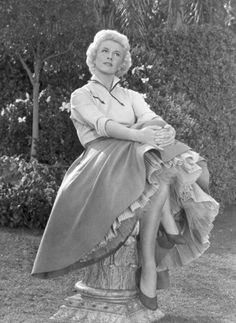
(144, 114)
(142, 110)
(84, 111)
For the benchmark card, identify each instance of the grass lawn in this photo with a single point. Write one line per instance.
(203, 292)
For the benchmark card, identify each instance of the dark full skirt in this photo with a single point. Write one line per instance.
(104, 193)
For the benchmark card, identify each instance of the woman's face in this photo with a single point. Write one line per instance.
(110, 55)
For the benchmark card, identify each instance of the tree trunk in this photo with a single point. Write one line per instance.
(179, 21)
(175, 20)
(105, 10)
(35, 124)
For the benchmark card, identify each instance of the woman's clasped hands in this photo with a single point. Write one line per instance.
(157, 136)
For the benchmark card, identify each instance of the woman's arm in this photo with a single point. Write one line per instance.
(84, 110)
(144, 115)
(147, 135)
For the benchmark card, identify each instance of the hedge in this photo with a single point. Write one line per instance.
(27, 192)
(197, 65)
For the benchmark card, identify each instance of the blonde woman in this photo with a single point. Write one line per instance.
(122, 179)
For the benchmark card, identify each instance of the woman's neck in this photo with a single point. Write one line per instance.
(107, 80)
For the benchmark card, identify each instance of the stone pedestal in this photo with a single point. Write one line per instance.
(108, 293)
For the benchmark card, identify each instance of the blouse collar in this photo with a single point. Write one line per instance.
(116, 80)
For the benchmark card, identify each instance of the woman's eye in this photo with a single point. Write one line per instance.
(117, 54)
(104, 50)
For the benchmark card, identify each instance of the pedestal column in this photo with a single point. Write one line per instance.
(108, 293)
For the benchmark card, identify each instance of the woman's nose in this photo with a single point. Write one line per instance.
(109, 55)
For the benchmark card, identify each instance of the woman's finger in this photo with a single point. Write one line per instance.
(161, 133)
(159, 137)
(155, 127)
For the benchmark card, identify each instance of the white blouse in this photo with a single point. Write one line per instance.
(93, 105)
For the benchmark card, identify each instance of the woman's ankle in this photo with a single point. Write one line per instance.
(148, 280)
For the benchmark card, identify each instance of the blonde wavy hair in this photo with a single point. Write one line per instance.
(114, 35)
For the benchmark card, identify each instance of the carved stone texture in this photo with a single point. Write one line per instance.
(108, 293)
(117, 271)
(85, 310)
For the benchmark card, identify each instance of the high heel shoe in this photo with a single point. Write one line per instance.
(175, 238)
(149, 302)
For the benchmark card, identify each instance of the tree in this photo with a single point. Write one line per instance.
(106, 13)
(230, 8)
(38, 32)
(131, 17)
(211, 12)
(137, 17)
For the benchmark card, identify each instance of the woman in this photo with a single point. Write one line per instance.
(121, 180)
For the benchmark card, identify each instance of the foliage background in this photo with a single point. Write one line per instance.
(190, 80)
(187, 75)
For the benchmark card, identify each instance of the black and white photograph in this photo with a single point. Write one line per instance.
(118, 161)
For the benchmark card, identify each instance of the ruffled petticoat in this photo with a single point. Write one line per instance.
(104, 193)
(193, 209)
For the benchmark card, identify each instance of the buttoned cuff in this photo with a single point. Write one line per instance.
(101, 126)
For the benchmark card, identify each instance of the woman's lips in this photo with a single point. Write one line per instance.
(107, 63)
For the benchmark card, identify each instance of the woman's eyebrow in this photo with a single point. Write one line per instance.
(115, 51)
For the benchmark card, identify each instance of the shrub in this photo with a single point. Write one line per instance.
(27, 192)
(190, 77)
(15, 128)
(58, 141)
(13, 79)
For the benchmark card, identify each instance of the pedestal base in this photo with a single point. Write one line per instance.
(90, 310)
(108, 293)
